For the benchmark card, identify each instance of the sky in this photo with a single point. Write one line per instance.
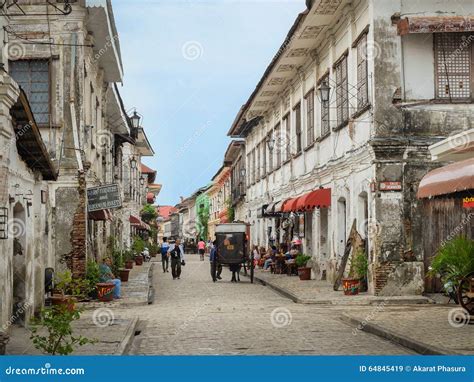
(189, 65)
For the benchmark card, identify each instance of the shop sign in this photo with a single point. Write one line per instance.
(390, 186)
(301, 225)
(103, 197)
(468, 202)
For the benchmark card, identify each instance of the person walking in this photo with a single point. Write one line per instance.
(201, 249)
(164, 255)
(176, 253)
(216, 268)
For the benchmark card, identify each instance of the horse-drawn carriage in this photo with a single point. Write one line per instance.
(232, 248)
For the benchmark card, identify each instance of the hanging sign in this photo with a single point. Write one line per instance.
(103, 198)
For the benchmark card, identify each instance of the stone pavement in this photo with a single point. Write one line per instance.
(193, 315)
(107, 323)
(321, 292)
(425, 329)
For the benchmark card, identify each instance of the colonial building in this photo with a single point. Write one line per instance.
(235, 159)
(338, 131)
(71, 137)
(219, 199)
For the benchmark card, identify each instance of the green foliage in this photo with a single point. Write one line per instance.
(302, 260)
(59, 339)
(138, 245)
(92, 273)
(230, 210)
(359, 265)
(128, 255)
(455, 260)
(71, 286)
(148, 213)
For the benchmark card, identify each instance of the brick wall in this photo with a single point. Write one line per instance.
(77, 260)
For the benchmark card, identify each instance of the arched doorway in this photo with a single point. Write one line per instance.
(18, 232)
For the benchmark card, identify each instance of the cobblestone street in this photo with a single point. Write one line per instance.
(195, 316)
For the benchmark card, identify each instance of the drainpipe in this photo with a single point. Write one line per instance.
(75, 131)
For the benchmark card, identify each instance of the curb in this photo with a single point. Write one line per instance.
(127, 341)
(417, 346)
(296, 299)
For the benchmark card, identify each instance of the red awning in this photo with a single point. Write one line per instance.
(137, 222)
(455, 177)
(289, 205)
(320, 198)
(435, 24)
(101, 215)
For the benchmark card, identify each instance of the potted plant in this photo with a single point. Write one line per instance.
(63, 290)
(129, 261)
(124, 275)
(138, 246)
(351, 285)
(304, 272)
(360, 265)
(454, 261)
(93, 277)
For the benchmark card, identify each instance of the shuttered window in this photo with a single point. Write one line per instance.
(309, 118)
(297, 111)
(286, 140)
(278, 147)
(342, 94)
(454, 65)
(33, 77)
(362, 73)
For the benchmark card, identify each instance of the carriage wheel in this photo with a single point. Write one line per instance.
(466, 293)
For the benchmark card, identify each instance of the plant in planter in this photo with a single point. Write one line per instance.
(93, 277)
(59, 339)
(304, 272)
(149, 213)
(138, 246)
(128, 256)
(67, 290)
(360, 267)
(454, 261)
(357, 274)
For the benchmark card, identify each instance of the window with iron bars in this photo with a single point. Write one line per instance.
(264, 158)
(270, 154)
(278, 147)
(454, 65)
(309, 118)
(362, 74)
(342, 91)
(287, 143)
(297, 111)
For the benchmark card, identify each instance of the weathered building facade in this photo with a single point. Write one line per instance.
(338, 131)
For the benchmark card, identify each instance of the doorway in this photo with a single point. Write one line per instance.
(341, 226)
(18, 231)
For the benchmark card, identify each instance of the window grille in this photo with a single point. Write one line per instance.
(362, 74)
(297, 111)
(309, 118)
(454, 65)
(342, 101)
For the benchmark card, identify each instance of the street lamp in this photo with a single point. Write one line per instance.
(142, 180)
(324, 91)
(271, 142)
(243, 172)
(133, 163)
(135, 118)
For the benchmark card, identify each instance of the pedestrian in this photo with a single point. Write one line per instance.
(164, 255)
(216, 268)
(176, 253)
(202, 249)
(235, 269)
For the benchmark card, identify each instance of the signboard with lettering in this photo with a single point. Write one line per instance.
(468, 202)
(103, 198)
(390, 186)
